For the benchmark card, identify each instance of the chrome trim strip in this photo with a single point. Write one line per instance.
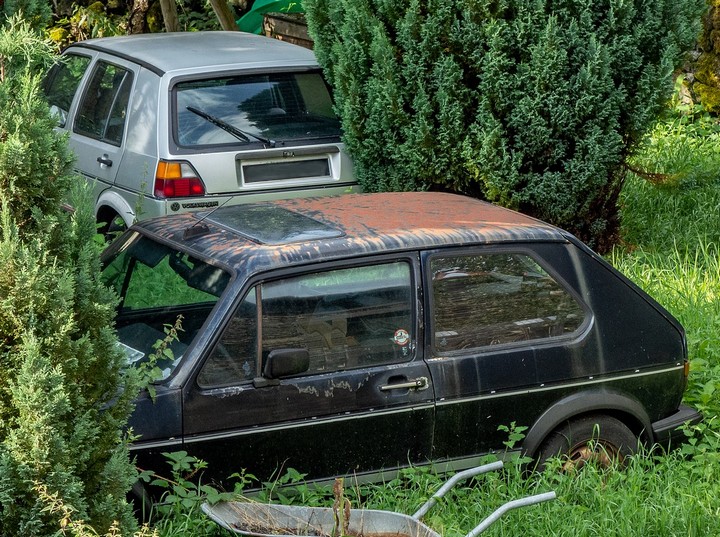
(306, 423)
(543, 388)
(320, 149)
(177, 442)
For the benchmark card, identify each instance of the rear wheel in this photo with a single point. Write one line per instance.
(596, 438)
(111, 225)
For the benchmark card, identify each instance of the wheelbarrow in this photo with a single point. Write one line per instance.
(269, 520)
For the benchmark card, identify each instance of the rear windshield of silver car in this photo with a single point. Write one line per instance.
(254, 109)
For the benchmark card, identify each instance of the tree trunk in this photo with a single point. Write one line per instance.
(137, 21)
(170, 16)
(225, 14)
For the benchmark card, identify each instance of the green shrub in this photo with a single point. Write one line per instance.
(532, 104)
(63, 399)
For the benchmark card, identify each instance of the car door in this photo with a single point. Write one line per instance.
(364, 401)
(493, 312)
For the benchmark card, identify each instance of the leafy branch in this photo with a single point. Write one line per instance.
(149, 371)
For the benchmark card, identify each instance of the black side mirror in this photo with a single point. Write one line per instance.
(283, 363)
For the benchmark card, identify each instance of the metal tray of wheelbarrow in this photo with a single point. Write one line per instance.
(270, 520)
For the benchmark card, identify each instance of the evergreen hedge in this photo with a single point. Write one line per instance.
(534, 104)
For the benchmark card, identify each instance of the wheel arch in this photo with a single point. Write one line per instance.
(111, 203)
(614, 404)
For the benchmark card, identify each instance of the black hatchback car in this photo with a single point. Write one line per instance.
(363, 333)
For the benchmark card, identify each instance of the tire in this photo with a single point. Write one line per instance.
(113, 229)
(596, 438)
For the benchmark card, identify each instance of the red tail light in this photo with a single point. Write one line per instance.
(177, 180)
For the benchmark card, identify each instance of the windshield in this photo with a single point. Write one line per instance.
(159, 288)
(281, 107)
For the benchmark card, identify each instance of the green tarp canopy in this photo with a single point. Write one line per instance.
(252, 20)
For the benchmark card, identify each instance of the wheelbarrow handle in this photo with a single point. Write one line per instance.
(504, 508)
(454, 480)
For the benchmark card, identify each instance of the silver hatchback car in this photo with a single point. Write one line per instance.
(170, 123)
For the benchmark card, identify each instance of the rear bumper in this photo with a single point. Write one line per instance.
(667, 432)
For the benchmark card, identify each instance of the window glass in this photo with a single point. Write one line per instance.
(101, 114)
(497, 298)
(160, 287)
(276, 106)
(346, 318)
(234, 358)
(61, 84)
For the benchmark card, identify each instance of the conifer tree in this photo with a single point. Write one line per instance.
(534, 104)
(63, 397)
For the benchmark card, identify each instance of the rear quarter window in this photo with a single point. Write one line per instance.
(495, 299)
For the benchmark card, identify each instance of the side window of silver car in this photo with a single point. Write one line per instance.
(62, 83)
(101, 114)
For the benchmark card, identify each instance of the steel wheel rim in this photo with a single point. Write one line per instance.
(601, 453)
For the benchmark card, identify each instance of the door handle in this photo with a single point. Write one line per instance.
(420, 383)
(105, 161)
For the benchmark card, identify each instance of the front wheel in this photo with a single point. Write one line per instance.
(596, 438)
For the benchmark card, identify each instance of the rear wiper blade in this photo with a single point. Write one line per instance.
(227, 127)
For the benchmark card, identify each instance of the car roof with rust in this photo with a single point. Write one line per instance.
(297, 231)
(209, 51)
